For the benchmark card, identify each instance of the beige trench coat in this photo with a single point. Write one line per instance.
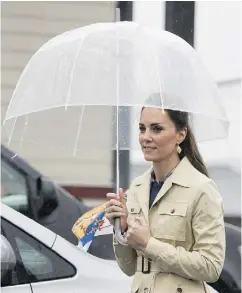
(187, 243)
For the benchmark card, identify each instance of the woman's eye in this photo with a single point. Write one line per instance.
(142, 129)
(157, 128)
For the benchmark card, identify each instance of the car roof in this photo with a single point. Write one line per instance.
(29, 226)
(18, 162)
(22, 165)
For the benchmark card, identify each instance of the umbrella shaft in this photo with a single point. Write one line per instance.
(117, 153)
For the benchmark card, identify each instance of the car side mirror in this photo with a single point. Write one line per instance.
(8, 259)
(48, 193)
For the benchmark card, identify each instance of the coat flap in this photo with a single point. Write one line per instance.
(173, 208)
(133, 208)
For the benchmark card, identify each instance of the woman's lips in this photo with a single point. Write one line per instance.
(149, 149)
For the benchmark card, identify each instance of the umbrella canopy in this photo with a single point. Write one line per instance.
(101, 70)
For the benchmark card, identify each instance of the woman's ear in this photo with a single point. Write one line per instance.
(182, 135)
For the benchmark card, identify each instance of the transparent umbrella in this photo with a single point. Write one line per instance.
(93, 76)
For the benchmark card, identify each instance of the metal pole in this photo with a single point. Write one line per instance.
(123, 12)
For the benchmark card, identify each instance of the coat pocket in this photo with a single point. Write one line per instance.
(134, 210)
(171, 221)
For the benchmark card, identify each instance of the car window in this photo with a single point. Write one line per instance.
(35, 261)
(14, 189)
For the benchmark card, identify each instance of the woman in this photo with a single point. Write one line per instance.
(173, 216)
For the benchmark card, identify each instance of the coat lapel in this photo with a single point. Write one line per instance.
(166, 186)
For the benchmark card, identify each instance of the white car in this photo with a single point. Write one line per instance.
(35, 260)
(45, 262)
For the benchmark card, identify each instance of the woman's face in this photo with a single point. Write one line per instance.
(158, 136)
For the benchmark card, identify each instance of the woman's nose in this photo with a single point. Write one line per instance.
(147, 136)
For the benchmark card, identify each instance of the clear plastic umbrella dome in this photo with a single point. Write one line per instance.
(79, 88)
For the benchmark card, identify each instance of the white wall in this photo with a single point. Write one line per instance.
(218, 37)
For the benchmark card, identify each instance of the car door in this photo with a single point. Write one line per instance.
(36, 263)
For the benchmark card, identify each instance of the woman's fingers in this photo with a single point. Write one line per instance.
(112, 196)
(114, 208)
(114, 202)
(114, 215)
(122, 195)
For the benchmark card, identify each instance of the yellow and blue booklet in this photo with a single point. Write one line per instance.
(91, 224)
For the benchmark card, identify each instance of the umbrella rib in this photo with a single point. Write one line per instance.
(12, 130)
(72, 73)
(79, 130)
(158, 75)
(24, 130)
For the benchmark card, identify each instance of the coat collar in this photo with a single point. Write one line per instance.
(182, 173)
(180, 176)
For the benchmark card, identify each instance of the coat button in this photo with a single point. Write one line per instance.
(173, 211)
(132, 210)
(146, 290)
(179, 290)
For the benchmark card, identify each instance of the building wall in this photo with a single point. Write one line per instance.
(26, 26)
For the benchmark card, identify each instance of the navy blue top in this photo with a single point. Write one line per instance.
(155, 187)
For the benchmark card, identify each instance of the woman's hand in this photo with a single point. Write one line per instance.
(116, 207)
(138, 233)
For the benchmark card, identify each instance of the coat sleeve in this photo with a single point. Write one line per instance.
(205, 261)
(126, 256)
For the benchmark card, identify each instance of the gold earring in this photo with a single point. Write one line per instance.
(179, 149)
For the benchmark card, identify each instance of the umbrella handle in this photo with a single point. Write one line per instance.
(118, 234)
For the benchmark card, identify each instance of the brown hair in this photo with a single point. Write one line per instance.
(181, 121)
(189, 145)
